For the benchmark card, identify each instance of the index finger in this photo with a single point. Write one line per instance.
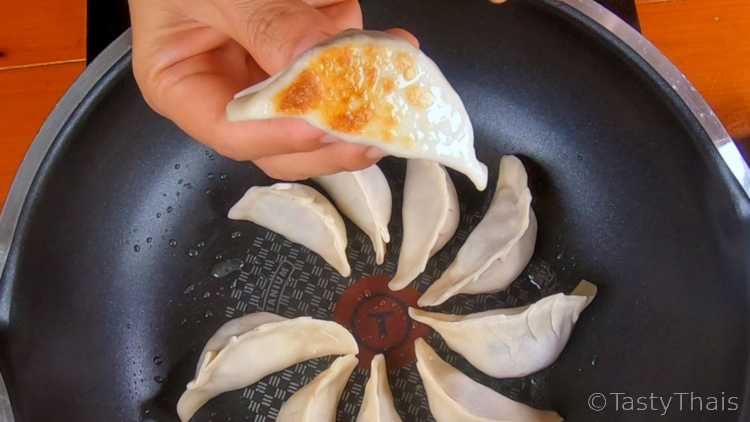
(196, 102)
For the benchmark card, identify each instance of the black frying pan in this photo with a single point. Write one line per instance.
(108, 293)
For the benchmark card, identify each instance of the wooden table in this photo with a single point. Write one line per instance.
(42, 51)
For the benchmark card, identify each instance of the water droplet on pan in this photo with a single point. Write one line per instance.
(226, 267)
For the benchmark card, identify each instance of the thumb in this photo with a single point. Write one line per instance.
(274, 32)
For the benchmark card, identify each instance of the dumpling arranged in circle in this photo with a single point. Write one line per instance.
(245, 350)
(365, 197)
(512, 342)
(453, 396)
(301, 214)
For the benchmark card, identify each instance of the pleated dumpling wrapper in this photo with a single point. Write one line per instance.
(453, 396)
(377, 405)
(371, 88)
(318, 400)
(301, 214)
(430, 214)
(247, 349)
(513, 342)
(365, 197)
(496, 244)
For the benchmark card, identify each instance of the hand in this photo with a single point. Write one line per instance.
(191, 56)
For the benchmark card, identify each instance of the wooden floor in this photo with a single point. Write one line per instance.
(709, 40)
(42, 51)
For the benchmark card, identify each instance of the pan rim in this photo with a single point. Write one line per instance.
(593, 14)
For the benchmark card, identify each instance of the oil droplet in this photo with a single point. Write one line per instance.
(192, 252)
(211, 175)
(137, 248)
(223, 177)
(206, 295)
(164, 195)
(594, 361)
(159, 379)
(235, 235)
(158, 215)
(226, 267)
(207, 314)
(149, 240)
(170, 209)
(158, 360)
(176, 166)
(189, 289)
(219, 257)
(200, 245)
(172, 243)
(532, 281)
(209, 192)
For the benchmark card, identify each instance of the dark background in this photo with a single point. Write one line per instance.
(108, 19)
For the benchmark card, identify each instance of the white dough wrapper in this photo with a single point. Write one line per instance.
(430, 214)
(371, 88)
(501, 273)
(377, 405)
(302, 215)
(247, 349)
(513, 342)
(317, 401)
(365, 197)
(493, 239)
(454, 397)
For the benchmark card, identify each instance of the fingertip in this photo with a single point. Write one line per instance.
(328, 139)
(402, 33)
(374, 153)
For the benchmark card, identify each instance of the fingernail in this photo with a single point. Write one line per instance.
(374, 153)
(328, 139)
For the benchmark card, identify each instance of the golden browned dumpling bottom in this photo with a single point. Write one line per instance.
(351, 86)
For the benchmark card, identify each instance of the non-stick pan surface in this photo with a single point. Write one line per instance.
(112, 261)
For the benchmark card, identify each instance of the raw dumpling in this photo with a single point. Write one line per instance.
(302, 215)
(365, 197)
(317, 401)
(502, 272)
(454, 397)
(377, 405)
(430, 217)
(514, 342)
(492, 242)
(371, 88)
(246, 349)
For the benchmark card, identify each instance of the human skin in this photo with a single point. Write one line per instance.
(191, 56)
